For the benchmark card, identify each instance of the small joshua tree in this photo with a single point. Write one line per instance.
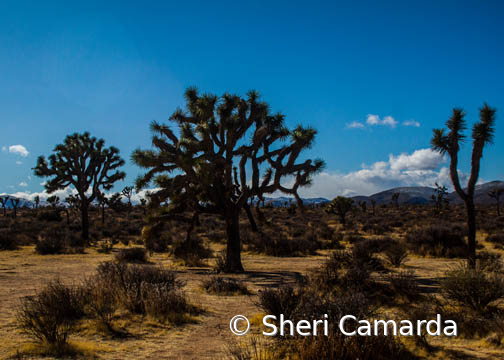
(36, 199)
(363, 206)
(373, 205)
(395, 199)
(340, 206)
(449, 143)
(496, 194)
(53, 201)
(86, 164)
(127, 192)
(439, 196)
(3, 202)
(143, 205)
(15, 203)
(194, 167)
(102, 202)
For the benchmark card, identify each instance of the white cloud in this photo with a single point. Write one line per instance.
(372, 119)
(19, 162)
(423, 167)
(355, 125)
(389, 121)
(413, 123)
(23, 184)
(18, 150)
(4, 148)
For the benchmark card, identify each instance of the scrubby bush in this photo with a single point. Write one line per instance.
(279, 245)
(404, 284)
(437, 240)
(50, 315)
(191, 250)
(283, 300)
(136, 255)
(141, 289)
(50, 216)
(8, 241)
(166, 304)
(58, 240)
(473, 288)
(222, 286)
(496, 239)
(395, 254)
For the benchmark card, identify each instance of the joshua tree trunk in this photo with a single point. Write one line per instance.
(251, 219)
(471, 234)
(233, 261)
(103, 215)
(85, 220)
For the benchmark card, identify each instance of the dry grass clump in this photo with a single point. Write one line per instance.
(222, 286)
(50, 316)
(438, 241)
(135, 255)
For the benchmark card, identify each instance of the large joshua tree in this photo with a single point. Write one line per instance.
(227, 151)
(449, 143)
(82, 161)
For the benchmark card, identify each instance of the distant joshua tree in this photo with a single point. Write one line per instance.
(395, 199)
(83, 162)
(102, 202)
(53, 201)
(439, 196)
(3, 202)
(15, 204)
(496, 194)
(373, 205)
(363, 205)
(127, 192)
(143, 204)
(449, 143)
(194, 168)
(340, 206)
(36, 199)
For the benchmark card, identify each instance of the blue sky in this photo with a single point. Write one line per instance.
(112, 69)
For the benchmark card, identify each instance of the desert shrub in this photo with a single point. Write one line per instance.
(338, 346)
(279, 245)
(129, 282)
(101, 299)
(50, 216)
(8, 241)
(50, 315)
(362, 254)
(473, 288)
(58, 240)
(396, 254)
(437, 240)
(220, 262)
(105, 247)
(404, 284)
(325, 232)
(136, 255)
(159, 243)
(283, 300)
(496, 239)
(50, 245)
(222, 286)
(489, 262)
(191, 250)
(166, 304)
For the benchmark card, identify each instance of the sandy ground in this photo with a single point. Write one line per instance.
(22, 272)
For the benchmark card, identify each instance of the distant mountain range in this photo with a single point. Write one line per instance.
(408, 195)
(422, 194)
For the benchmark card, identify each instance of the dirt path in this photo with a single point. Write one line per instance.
(22, 272)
